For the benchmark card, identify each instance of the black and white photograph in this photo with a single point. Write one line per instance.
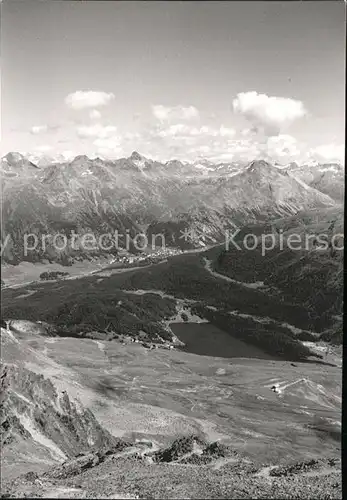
(172, 239)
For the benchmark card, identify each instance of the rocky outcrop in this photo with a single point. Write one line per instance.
(33, 411)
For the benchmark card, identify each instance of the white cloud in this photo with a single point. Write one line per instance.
(182, 140)
(183, 130)
(281, 148)
(268, 113)
(328, 153)
(204, 149)
(167, 113)
(38, 129)
(108, 146)
(179, 130)
(226, 132)
(247, 132)
(68, 155)
(232, 150)
(95, 114)
(43, 148)
(96, 130)
(82, 99)
(174, 130)
(130, 136)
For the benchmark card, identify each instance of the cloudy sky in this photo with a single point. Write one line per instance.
(220, 80)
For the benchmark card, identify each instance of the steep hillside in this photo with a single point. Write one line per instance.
(40, 425)
(82, 418)
(310, 273)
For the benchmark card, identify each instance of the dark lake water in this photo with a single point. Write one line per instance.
(208, 340)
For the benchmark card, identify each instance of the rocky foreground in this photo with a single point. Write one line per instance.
(66, 433)
(134, 473)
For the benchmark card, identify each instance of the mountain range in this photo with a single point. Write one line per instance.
(138, 195)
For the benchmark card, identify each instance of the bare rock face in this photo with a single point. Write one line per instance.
(11, 428)
(30, 327)
(32, 412)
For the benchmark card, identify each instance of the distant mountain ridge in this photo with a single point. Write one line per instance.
(101, 196)
(305, 170)
(329, 178)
